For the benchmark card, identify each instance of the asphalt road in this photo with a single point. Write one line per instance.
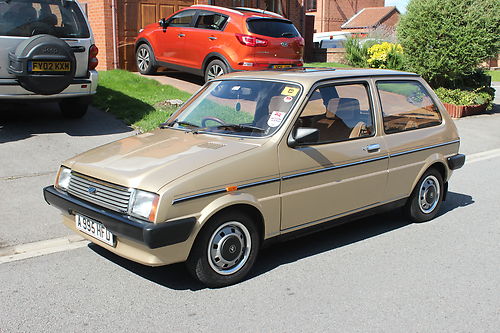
(380, 274)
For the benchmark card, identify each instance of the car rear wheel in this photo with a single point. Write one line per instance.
(146, 62)
(74, 107)
(225, 250)
(426, 198)
(215, 69)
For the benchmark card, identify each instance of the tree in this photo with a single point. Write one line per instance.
(446, 40)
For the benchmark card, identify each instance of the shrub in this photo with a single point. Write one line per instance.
(446, 40)
(386, 55)
(357, 52)
(483, 95)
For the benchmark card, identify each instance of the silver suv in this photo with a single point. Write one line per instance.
(47, 53)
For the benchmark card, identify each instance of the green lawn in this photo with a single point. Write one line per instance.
(495, 75)
(325, 64)
(135, 99)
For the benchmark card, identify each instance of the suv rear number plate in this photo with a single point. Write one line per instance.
(94, 229)
(49, 66)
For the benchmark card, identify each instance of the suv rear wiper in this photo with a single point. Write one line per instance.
(287, 34)
(242, 127)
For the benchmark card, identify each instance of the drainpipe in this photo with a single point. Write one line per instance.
(113, 18)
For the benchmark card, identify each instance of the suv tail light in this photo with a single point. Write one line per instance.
(251, 41)
(301, 41)
(93, 61)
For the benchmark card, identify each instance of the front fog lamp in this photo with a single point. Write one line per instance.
(62, 179)
(144, 205)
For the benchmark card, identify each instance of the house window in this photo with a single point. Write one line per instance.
(311, 5)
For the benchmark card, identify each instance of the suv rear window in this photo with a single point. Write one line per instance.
(272, 28)
(25, 18)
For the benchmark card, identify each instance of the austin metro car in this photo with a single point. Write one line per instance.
(257, 156)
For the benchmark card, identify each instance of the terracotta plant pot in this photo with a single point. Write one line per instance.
(459, 111)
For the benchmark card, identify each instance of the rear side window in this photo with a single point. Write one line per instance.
(182, 19)
(406, 105)
(25, 18)
(272, 28)
(212, 21)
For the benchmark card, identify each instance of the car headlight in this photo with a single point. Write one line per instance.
(62, 179)
(144, 205)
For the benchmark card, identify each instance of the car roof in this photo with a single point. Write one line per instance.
(241, 11)
(310, 75)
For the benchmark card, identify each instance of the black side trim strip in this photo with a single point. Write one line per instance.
(424, 148)
(150, 234)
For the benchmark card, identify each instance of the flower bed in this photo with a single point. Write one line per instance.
(459, 111)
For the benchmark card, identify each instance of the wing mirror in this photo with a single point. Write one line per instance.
(163, 23)
(303, 135)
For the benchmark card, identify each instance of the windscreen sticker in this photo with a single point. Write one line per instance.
(235, 88)
(288, 99)
(275, 119)
(290, 91)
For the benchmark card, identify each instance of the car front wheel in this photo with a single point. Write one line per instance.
(146, 62)
(225, 250)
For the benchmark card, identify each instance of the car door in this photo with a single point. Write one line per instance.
(171, 45)
(204, 37)
(345, 169)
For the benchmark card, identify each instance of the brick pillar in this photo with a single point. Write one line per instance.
(101, 21)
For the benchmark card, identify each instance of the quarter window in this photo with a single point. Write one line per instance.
(213, 21)
(182, 19)
(406, 105)
(339, 112)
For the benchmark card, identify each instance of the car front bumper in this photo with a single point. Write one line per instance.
(80, 87)
(149, 235)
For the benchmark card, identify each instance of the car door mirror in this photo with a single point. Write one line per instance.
(163, 23)
(303, 135)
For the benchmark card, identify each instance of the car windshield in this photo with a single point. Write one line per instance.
(26, 18)
(238, 107)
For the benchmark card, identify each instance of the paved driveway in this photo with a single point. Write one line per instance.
(34, 139)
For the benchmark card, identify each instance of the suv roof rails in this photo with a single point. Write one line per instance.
(257, 10)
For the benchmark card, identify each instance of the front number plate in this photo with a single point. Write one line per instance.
(94, 229)
(49, 66)
(282, 66)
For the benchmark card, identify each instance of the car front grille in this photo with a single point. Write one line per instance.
(112, 196)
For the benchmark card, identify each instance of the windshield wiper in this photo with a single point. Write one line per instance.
(178, 122)
(242, 127)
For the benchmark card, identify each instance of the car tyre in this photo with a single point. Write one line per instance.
(145, 60)
(426, 198)
(215, 69)
(225, 250)
(74, 107)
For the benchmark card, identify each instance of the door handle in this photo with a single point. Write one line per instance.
(372, 148)
(181, 35)
(212, 38)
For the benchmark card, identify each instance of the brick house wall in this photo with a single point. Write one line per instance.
(100, 17)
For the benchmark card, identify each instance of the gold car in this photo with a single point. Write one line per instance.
(255, 156)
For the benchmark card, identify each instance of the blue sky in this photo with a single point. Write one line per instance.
(401, 4)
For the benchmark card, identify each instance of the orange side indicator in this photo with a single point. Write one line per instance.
(231, 188)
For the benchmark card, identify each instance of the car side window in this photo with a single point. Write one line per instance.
(339, 112)
(210, 20)
(406, 105)
(182, 19)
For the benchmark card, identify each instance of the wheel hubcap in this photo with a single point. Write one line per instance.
(229, 248)
(429, 194)
(143, 59)
(215, 71)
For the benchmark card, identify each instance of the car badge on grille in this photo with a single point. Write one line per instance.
(92, 190)
(284, 44)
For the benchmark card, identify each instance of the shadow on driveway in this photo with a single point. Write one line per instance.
(176, 276)
(21, 121)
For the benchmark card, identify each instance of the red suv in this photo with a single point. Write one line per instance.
(210, 41)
